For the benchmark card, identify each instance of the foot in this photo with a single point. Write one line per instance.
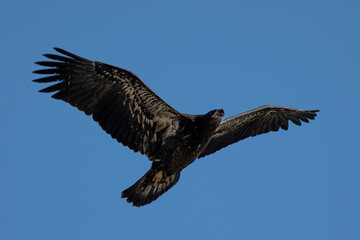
(157, 178)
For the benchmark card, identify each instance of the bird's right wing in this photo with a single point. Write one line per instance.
(116, 98)
(257, 121)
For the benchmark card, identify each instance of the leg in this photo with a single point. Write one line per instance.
(157, 178)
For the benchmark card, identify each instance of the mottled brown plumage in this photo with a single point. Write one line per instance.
(136, 117)
(255, 122)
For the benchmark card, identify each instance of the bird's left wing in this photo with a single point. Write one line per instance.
(118, 100)
(255, 122)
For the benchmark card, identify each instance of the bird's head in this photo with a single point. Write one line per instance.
(216, 114)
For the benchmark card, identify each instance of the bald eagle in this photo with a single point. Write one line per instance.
(136, 117)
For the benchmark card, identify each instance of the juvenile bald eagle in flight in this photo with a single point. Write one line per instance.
(136, 117)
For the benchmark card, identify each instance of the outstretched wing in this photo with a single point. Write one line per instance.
(255, 122)
(116, 98)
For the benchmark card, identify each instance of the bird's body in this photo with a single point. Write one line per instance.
(135, 116)
(178, 151)
(185, 145)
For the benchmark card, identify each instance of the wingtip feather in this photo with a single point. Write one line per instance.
(69, 54)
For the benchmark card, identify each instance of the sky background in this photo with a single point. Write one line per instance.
(61, 176)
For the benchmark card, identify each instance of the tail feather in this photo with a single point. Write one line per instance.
(144, 192)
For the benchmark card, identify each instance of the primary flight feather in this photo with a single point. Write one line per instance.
(136, 117)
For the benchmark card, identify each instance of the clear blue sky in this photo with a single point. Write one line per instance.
(61, 176)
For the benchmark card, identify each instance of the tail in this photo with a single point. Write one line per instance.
(146, 190)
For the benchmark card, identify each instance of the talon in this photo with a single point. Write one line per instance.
(157, 178)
